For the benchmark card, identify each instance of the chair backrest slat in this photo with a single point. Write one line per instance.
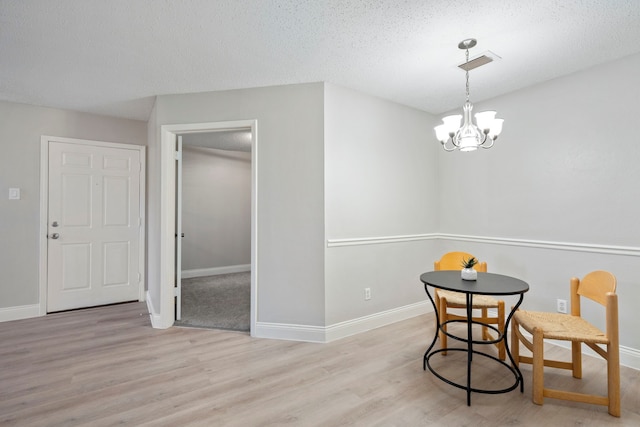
(453, 261)
(596, 285)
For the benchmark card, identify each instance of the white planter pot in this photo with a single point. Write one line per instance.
(469, 274)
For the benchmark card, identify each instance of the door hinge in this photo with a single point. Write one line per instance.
(178, 155)
(176, 292)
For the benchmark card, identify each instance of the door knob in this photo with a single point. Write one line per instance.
(54, 236)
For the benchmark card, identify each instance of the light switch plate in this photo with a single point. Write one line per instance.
(14, 194)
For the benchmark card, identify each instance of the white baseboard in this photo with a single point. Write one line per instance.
(284, 331)
(202, 272)
(20, 312)
(321, 334)
(154, 316)
(372, 321)
(629, 357)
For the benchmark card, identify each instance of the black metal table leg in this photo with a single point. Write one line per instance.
(487, 283)
(435, 338)
(469, 345)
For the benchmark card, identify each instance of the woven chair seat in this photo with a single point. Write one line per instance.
(560, 326)
(459, 300)
(598, 286)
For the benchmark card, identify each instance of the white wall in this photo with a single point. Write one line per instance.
(153, 209)
(557, 196)
(20, 131)
(565, 168)
(355, 192)
(216, 208)
(561, 182)
(290, 195)
(380, 183)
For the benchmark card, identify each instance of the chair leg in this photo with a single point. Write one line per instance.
(485, 330)
(613, 379)
(501, 351)
(538, 367)
(576, 359)
(443, 318)
(515, 342)
(440, 313)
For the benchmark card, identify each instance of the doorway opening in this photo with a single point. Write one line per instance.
(236, 140)
(213, 222)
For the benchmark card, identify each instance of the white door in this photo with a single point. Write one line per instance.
(94, 224)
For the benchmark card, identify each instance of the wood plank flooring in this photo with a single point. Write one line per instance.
(107, 366)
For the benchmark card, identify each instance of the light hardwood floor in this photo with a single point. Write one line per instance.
(107, 366)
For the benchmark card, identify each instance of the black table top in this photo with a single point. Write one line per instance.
(487, 283)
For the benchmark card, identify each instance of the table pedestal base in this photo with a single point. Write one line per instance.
(464, 386)
(469, 338)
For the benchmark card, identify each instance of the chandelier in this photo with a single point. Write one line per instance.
(469, 136)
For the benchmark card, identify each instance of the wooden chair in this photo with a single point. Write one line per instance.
(599, 286)
(449, 299)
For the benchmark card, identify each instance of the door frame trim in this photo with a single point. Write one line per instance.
(166, 316)
(44, 208)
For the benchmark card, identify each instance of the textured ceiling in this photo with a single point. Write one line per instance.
(113, 56)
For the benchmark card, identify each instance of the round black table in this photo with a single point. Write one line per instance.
(486, 284)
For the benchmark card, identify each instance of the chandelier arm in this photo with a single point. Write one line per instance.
(484, 145)
(444, 145)
(455, 140)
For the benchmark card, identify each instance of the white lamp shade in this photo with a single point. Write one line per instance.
(496, 128)
(441, 132)
(484, 119)
(452, 123)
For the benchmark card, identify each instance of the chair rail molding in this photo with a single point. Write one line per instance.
(545, 244)
(505, 241)
(358, 241)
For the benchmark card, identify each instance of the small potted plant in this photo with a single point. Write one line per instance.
(468, 272)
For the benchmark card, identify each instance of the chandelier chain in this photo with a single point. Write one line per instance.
(467, 74)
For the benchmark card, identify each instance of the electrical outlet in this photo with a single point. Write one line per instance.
(367, 294)
(14, 194)
(562, 305)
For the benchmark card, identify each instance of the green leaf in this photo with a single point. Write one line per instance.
(469, 263)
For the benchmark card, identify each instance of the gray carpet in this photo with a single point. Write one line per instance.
(220, 302)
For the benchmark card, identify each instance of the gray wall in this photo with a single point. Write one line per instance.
(561, 183)
(380, 182)
(20, 130)
(216, 208)
(556, 197)
(565, 168)
(153, 209)
(290, 164)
